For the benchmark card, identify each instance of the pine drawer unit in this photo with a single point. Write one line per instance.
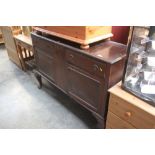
(84, 75)
(127, 111)
(83, 35)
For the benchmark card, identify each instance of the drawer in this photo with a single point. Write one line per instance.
(45, 45)
(131, 113)
(86, 63)
(114, 122)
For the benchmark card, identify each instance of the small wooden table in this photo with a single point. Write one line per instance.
(128, 111)
(24, 49)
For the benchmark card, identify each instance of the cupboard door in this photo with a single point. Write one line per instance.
(45, 64)
(84, 88)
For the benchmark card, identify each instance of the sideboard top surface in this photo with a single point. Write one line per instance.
(107, 51)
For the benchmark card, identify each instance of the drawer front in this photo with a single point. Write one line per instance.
(48, 47)
(86, 63)
(130, 113)
(114, 122)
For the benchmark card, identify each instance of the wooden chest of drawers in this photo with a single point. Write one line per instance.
(127, 111)
(83, 35)
(84, 75)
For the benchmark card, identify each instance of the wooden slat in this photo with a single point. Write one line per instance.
(25, 49)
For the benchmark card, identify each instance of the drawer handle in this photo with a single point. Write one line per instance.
(95, 67)
(128, 114)
(71, 56)
(101, 69)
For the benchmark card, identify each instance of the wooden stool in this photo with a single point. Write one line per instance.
(24, 49)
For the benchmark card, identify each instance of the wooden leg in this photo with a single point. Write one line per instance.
(100, 124)
(84, 46)
(39, 80)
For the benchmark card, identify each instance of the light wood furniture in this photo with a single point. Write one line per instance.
(26, 30)
(24, 48)
(83, 35)
(1, 38)
(8, 33)
(127, 111)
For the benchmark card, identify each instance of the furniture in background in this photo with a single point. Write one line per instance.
(120, 34)
(84, 35)
(1, 37)
(139, 73)
(128, 112)
(84, 75)
(24, 49)
(26, 30)
(8, 33)
(18, 44)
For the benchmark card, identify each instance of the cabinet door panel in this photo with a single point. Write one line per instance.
(45, 64)
(84, 88)
(48, 47)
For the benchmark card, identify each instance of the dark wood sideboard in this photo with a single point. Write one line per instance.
(84, 75)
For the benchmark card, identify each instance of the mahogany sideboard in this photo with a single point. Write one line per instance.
(84, 75)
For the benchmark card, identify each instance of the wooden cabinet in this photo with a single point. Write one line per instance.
(1, 38)
(85, 75)
(127, 111)
(24, 49)
(8, 36)
(83, 35)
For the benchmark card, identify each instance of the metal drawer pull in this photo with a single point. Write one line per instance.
(128, 114)
(71, 56)
(101, 69)
(95, 67)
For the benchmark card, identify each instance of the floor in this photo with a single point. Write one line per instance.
(24, 106)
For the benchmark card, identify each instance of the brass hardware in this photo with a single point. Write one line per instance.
(101, 69)
(128, 114)
(71, 56)
(95, 67)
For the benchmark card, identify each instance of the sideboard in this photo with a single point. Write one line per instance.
(84, 75)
